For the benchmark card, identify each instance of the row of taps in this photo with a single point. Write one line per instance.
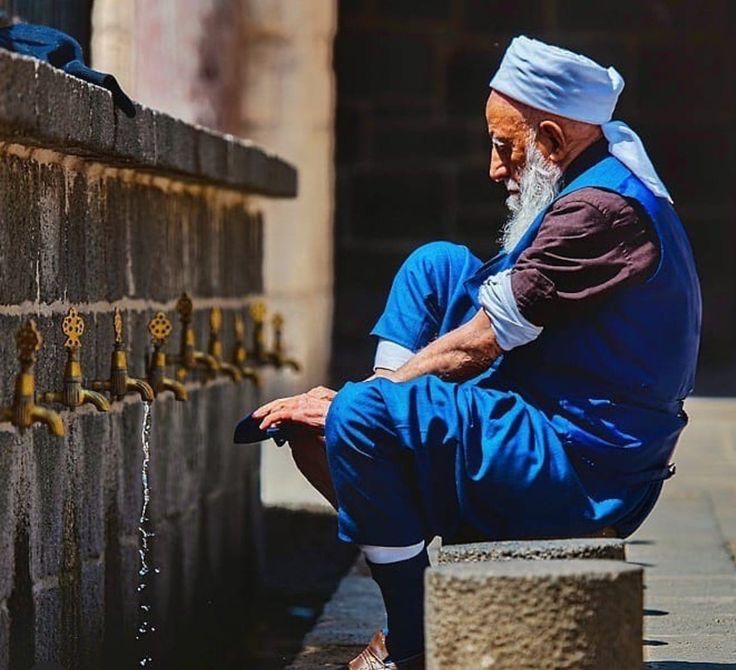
(27, 407)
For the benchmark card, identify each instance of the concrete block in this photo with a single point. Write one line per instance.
(4, 636)
(603, 548)
(9, 451)
(176, 144)
(91, 510)
(534, 615)
(48, 495)
(48, 634)
(135, 139)
(17, 116)
(93, 607)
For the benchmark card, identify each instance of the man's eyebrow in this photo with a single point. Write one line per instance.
(498, 142)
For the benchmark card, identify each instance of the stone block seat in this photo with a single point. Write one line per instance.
(534, 615)
(601, 548)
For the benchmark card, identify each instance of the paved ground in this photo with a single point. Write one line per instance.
(685, 546)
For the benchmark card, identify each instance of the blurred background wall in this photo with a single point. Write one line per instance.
(412, 144)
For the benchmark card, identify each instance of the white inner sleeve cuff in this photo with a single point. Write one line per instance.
(497, 299)
(385, 555)
(391, 356)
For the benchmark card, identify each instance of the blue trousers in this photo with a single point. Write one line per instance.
(428, 457)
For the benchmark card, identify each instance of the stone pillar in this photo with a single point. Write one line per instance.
(534, 615)
(288, 101)
(260, 69)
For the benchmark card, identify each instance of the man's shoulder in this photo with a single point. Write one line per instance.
(597, 202)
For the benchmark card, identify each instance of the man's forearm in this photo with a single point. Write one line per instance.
(458, 355)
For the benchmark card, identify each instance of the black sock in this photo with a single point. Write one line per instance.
(402, 587)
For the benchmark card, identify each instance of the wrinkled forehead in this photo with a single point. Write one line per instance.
(506, 118)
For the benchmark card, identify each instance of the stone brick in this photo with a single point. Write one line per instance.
(9, 456)
(19, 219)
(50, 494)
(91, 511)
(135, 138)
(469, 70)
(93, 607)
(17, 117)
(601, 548)
(4, 636)
(415, 9)
(64, 123)
(176, 144)
(662, 69)
(534, 614)
(373, 65)
(47, 626)
(496, 17)
(414, 143)
(396, 204)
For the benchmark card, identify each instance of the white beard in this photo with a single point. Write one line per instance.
(538, 187)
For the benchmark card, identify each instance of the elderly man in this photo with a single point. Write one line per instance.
(536, 395)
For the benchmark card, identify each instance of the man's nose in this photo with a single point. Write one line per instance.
(497, 171)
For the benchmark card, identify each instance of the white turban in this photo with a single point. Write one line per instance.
(567, 84)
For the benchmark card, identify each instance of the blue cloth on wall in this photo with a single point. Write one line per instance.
(561, 437)
(63, 52)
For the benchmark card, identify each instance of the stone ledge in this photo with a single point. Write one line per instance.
(601, 548)
(42, 106)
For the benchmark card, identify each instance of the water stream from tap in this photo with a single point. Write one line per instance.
(144, 526)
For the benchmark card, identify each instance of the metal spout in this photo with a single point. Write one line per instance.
(159, 328)
(120, 384)
(24, 411)
(73, 394)
(189, 358)
(240, 353)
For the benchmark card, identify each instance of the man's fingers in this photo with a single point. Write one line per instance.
(270, 406)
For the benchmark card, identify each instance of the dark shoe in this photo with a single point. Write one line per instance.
(374, 656)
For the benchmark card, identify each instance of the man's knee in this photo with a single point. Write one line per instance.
(437, 258)
(357, 413)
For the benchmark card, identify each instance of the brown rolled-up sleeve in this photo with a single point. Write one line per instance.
(591, 243)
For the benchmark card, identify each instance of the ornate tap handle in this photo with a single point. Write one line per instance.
(185, 307)
(29, 341)
(117, 323)
(73, 328)
(159, 328)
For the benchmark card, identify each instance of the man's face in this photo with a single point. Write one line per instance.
(510, 134)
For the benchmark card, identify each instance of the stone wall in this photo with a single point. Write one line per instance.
(412, 145)
(100, 211)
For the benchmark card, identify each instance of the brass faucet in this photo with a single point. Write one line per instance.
(258, 352)
(215, 347)
(24, 411)
(189, 358)
(120, 384)
(159, 327)
(240, 353)
(277, 354)
(262, 356)
(73, 394)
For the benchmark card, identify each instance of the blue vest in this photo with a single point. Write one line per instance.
(612, 380)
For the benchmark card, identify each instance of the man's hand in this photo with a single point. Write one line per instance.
(306, 409)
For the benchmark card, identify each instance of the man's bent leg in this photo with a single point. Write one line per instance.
(379, 509)
(428, 298)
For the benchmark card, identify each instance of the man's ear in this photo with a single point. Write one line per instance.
(554, 140)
